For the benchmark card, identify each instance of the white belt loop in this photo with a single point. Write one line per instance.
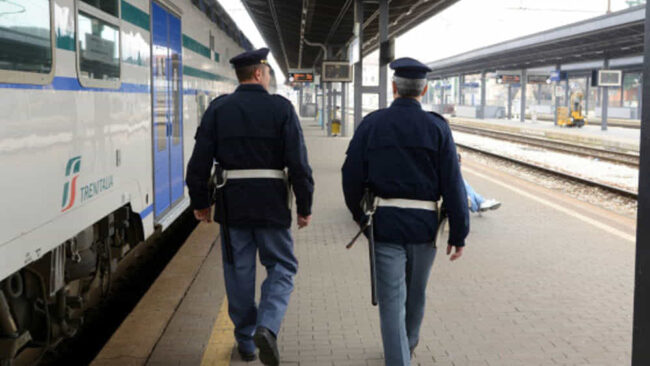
(407, 203)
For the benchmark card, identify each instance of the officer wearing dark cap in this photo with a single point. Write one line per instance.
(406, 158)
(253, 136)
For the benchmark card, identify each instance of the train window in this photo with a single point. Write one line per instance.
(26, 30)
(109, 6)
(98, 47)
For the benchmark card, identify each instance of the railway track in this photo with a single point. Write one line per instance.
(555, 172)
(577, 149)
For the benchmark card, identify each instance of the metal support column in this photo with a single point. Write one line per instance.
(323, 106)
(483, 92)
(587, 96)
(566, 92)
(344, 108)
(605, 102)
(358, 67)
(328, 122)
(641, 325)
(509, 101)
(639, 98)
(442, 96)
(459, 97)
(300, 102)
(383, 67)
(522, 102)
(622, 97)
(557, 100)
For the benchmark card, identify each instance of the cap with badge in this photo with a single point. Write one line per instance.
(409, 68)
(249, 58)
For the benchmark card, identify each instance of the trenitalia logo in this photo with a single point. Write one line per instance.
(70, 187)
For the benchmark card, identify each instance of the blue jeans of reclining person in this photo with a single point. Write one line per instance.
(474, 198)
(275, 247)
(402, 276)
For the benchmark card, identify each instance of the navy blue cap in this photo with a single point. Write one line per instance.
(249, 58)
(409, 68)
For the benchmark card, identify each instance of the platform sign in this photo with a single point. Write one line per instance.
(336, 71)
(538, 79)
(301, 75)
(508, 79)
(558, 75)
(610, 77)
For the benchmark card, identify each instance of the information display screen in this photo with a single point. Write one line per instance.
(301, 77)
(609, 77)
(508, 79)
(337, 71)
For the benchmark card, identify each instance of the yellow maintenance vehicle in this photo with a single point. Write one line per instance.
(574, 118)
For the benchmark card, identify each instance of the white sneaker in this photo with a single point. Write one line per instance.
(490, 204)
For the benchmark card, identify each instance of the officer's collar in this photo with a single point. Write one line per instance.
(251, 87)
(406, 102)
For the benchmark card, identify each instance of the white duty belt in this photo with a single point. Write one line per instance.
(258, 174)
(406, 203)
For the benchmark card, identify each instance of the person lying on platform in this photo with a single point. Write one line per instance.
(475, 201)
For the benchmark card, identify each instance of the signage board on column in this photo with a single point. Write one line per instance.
(301, 75)
(610, 77)
(557, 75)
(337, 71)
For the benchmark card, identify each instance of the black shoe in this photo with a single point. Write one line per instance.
(265, 340)
(246, 356)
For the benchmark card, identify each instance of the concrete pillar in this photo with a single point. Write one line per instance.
(524, 81)
(383, 67)
(483, 92)
(358, 67)
(605, 102)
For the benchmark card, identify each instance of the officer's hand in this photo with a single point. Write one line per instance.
(203, 215)
(303, 221)
(458, 252)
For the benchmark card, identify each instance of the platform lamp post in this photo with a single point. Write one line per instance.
(641, 330)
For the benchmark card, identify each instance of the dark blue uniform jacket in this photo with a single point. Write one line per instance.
(251, 129)
(405, 152)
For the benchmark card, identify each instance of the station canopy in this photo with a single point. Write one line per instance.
(614, 35)
(287, 24)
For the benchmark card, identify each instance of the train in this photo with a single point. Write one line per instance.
(100, 102)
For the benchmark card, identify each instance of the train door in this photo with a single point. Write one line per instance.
(167, 99)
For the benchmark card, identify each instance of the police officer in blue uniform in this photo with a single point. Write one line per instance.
(253, 136)
(406, 158)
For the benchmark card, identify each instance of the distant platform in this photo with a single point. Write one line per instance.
(615, 138)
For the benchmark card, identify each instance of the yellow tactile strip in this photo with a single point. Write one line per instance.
(222, 340)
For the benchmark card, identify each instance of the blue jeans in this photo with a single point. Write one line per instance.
(475, 199)
(402, 275)
(276, 254)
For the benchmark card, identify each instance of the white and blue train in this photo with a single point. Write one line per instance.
(99, 102)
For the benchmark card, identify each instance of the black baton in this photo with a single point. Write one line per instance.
(373, 270)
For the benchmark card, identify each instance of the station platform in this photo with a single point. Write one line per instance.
(544, 280)
(615, 138)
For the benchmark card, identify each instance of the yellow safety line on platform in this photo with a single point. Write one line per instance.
(565, 210)
(222, 340)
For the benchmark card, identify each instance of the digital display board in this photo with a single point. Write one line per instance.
(340, 71)
(610, 77)
(508, 79)
(538, 79)
(301, 77)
